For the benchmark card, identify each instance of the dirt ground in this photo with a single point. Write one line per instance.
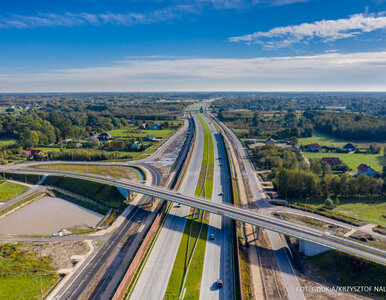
(309, 278)
(369, 239)
(273, 282)
(310, 221)
(59, 252)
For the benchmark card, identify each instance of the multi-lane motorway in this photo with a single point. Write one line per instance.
(217, 262)
(234, 212)
(159, 265)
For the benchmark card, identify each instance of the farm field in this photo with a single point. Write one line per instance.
(353, 160)
(9, 190)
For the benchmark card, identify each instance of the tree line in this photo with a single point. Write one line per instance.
(348, 125)
(294, 179)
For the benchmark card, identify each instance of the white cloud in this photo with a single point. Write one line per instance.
(73, 19)
(327, 30)
(181, 8)
(324, 72)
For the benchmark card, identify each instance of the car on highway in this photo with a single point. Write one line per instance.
(221, 194)
(219, 157)
(219, 283)
(211, 236)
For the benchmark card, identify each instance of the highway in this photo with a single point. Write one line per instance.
(259, 200)
(233, 212)
(159, 265)
(218, 260)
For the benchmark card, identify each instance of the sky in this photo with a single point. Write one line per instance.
(192, 45)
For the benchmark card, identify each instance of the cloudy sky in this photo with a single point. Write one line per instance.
(192, 45)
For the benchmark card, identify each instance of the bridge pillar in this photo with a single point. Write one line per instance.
(125, 193)
(243, 233)
(198, 213)
(151, 201)
(311, 249)
(257, 232)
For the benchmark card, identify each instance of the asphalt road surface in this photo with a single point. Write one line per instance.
(154, 278)
(218, 262)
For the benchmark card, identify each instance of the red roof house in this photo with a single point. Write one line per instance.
(366, 170)
(315, 147)
(32, 152)
(332, 160)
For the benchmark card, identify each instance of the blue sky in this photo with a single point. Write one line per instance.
(192, 45)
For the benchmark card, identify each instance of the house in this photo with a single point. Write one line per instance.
(250, 141)
(332, 160)
(135, 145)
(143, 126)
(66, 141)
(30, 153)
(348, 148)
(270, 142)
(156, 126)
(151, 137)
(104, 136)
(94, 133)
(366, 170)
(315, 147)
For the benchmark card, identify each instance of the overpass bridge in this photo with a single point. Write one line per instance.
(237, 213)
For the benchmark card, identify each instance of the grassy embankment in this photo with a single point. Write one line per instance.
(352, 160)
(9, 190)
(22, 275)
(188, 266)
(350, 210)
(104, 194)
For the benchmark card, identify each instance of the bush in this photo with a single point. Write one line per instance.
(328, 204)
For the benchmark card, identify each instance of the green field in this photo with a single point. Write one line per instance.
(4, 141)
(353, 160)
(132, 131)
(9, 190)
(370, 210)
(328, 140)
(20, 274)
